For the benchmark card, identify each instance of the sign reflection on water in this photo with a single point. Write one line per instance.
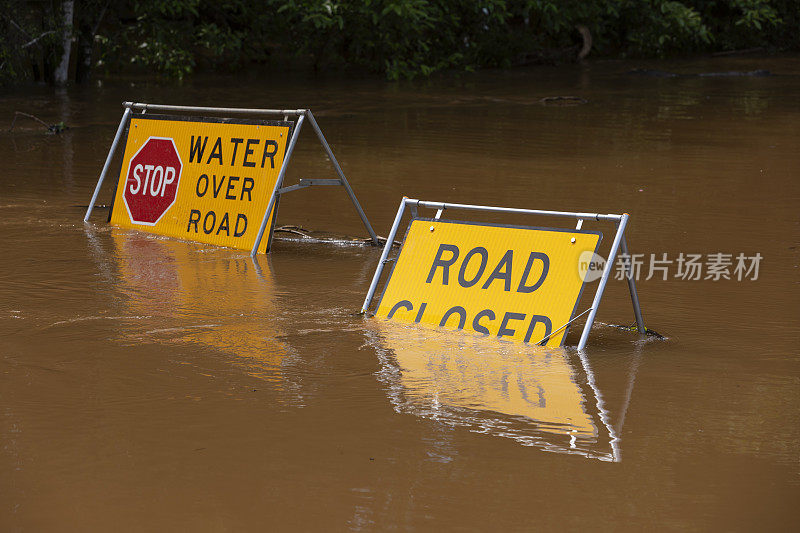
(537, 396)
(187, 294)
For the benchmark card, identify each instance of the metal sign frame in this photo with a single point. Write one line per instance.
(618, 244)
(278, 190)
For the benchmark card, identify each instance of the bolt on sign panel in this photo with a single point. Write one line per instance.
(511, 282)
(200, 179)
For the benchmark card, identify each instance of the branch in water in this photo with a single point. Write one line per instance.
(53, 128)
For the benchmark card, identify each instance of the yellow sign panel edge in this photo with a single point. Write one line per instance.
(494, 225)
(207, 120)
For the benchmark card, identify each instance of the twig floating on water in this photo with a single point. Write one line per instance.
(563, 100)
(52, 128)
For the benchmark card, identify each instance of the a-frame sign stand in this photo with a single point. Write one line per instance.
(619, 245)
(301, 116)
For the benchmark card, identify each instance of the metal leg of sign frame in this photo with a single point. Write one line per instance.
(279, 190)
(612, 254)
(273, 197)
(619, 242)
(384, 255)
(122, 123)
(623, 246)
(340, 173)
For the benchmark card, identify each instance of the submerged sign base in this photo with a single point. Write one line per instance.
(515, 282)
(209, 180)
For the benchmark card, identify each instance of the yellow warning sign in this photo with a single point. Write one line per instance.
(510, 282)
(200, 179)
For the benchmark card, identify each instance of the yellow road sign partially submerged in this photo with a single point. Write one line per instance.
(511, 282)
(210, 180)
(200, 179)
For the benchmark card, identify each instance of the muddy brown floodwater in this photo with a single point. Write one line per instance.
(156, 385)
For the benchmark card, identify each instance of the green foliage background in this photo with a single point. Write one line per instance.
(395, 38)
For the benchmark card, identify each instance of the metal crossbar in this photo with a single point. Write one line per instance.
(469, 207)
(312, 182)
(215, 110)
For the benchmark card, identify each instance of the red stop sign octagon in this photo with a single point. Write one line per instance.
(152, 183)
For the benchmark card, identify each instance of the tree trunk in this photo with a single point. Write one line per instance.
(61, 74)
(85, 44)
(587, 42)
